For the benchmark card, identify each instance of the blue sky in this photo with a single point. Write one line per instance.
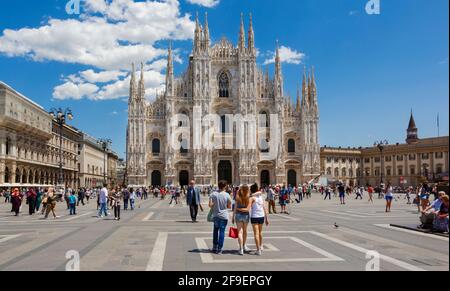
(371, 70)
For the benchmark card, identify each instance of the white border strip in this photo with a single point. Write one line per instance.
(429, 235)
(156, 261)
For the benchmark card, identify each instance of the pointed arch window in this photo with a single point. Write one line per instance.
(224, 85)
(291, 146)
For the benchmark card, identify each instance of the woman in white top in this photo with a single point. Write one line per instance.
(258, 216)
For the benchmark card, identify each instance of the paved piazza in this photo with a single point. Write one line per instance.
(158, 237)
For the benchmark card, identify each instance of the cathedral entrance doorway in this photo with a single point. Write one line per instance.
(156, 179)
(292, 178)
(265, 178)
(184, 178)
(225, 172)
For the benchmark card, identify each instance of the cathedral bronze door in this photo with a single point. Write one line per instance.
(292, 178)
(156, 179)
(265, 178)
(225, 172)
(184, 178)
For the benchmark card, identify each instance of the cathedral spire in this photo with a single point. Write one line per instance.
(298, 105)
(242, 35)
(197, 34)
(305, 91)
(206, 36)
(169, 73)
(251, 35)
(278, 74)
(141, 92)
(313, 89)
(133, 83)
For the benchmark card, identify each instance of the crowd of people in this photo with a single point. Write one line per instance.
(245, 205)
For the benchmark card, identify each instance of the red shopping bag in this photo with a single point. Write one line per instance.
(233, 233)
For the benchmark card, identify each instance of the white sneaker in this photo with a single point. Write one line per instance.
(259, 253)
(241, 252)
(246, 249)
(262, 247)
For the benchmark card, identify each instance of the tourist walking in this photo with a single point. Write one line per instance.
(284, 197)
(81, 195)
(370, 191)
(193, 200)
(220, 202)
(359, 193)
(7, 195)
(116, 197)
(389, 196)
(327, 193)
(72, 204)
(271, 200)
(31, 200)
(241, 217)
(51, 203)
(16, 200)
(39, 195)
(408, 195)
(103, 200)
(126, 199)
(341, 190)
(133, 198)
(259, 217)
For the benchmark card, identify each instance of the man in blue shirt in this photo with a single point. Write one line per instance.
(72, 204)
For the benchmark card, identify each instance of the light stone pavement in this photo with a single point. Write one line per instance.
(158, 237)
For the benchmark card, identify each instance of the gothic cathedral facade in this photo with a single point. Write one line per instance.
(225, 80)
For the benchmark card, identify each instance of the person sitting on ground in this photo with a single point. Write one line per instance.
(428, 214)
(440, 223)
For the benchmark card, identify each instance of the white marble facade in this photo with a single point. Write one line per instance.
(223, 79)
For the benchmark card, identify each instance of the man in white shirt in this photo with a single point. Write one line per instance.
(103, 200)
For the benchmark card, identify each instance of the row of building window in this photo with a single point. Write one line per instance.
(411, 157)
(343, 160)
(412, 171)
(156, 146)
(388, 172)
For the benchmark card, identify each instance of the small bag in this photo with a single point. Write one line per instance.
(233, 233)
(210, 217)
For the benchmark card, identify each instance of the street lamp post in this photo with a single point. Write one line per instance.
(61, 116)
(105, 143)
(381, 145)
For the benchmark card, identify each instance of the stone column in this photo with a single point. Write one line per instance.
(2, 171)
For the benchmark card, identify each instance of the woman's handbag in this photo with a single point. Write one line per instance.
(233, 233)
(210, 217)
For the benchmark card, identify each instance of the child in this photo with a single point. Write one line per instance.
(72, 204)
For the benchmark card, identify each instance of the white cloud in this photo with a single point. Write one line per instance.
(102, 77)
(70, 90)
(108, 36)
(206, 3)
(287, 55)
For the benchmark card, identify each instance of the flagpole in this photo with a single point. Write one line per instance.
(438, 126)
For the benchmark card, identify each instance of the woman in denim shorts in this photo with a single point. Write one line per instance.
(241, 216)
